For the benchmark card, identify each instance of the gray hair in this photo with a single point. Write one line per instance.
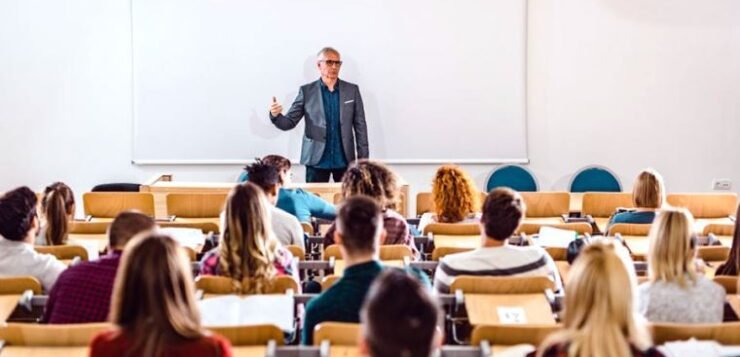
(325, 50)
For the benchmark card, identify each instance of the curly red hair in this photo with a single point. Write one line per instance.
(454, 193)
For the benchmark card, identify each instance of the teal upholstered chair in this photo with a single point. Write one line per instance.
(513, 176)
(595, 179)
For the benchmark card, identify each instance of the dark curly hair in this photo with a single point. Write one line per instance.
(17, 212)
(372, 179)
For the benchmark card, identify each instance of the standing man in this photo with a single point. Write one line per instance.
(336, 133)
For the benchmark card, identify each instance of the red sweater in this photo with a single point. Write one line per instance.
(115, 343)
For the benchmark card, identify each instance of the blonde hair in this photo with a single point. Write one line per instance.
(598, 316)
(671, 251)
(455, 195)
(153, 296)
(648, 190)
(248, 248)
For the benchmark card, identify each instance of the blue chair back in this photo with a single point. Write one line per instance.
(595, 179)
(513, 176)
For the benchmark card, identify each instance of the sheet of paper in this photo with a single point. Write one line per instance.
(187, 237)
(232, 310)
(511, 315)
(555, 237)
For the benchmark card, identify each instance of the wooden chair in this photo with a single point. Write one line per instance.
(297, 252)
(336, 333)
(441, 252)
(83, 227)
(557, 253)
(41, 335)
(195, 206)
(425, 202)
(719, 229)
(107, 205)
(546, 204)
(724, 333)
(63, 252)
(501, 285)
(730, 283)
(205, 227)
(713, 253)
(17, 285)
(387, 252)
(705, 205)
(509, 335)
(307, 228)
(328, 281)
(220, 285)
(634, 236)
(453, 229)
(255, 335)
(604, 204)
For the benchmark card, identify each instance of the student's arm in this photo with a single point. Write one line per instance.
(310, 320)
(318, 207)
(294, 115)
(441, 280)
(296, 234)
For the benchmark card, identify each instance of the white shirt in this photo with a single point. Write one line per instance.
(19, 258)
(506, 260)
(286, 227)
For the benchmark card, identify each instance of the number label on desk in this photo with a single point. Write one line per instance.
(511, 315)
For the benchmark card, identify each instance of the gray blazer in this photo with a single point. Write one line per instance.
(308, 103)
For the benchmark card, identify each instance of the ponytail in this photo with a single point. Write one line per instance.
(58, 206)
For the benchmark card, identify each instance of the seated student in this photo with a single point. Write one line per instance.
(296, 201)
(598, 317)
(400, 318)
(19, 225)
(675, 291)
(456, 199)
(375, 180)
(58, 207)
(82, 293)
(286, 227)
(358, 234)
(502, 213)
(648, 193)
(732, 265)
(247, 248)
(154, 307)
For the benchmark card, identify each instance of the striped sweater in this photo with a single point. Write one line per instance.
(506, 260)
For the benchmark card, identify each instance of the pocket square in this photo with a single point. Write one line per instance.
(349, 101)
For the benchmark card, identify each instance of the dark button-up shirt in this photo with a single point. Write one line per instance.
(83, 292)
(333, 157)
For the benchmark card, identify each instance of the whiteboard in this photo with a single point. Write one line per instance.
(442, 81)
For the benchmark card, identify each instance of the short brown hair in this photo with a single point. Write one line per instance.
(17, 212)
(359, 222)
(280, 162)
(502, 213)
(400, 316)
(648, 190)
(126, 226)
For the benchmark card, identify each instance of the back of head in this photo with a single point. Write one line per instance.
(648, 190)
(372, 179)
(17, 213)
(265, 176)
(359, 222)
(153, 296)
(127, 225)
(58, 206)
(455, 194)
(598, 315)
(247, 248)
(671, 247)
(399, 317)
(502, 213)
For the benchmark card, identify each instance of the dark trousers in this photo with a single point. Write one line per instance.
(314, 174)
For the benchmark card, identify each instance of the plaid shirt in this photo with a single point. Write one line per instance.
(396, 229)
(83, 292)
(562, 351)
(283, 262)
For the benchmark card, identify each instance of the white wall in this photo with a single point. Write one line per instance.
(624, 83)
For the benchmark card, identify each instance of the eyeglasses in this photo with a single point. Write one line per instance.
(332, 63)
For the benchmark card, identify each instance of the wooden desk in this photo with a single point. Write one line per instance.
(343, 351)
(161, 185)
(638, 245)
(340, 265)
(470, 242)
(8, 303)
(563, 269)
(576, 201)
(482, 309)
(248, 351)
(29, 351)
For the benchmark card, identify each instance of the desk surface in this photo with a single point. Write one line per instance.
(27, 351)
(470, 242)
(248, 351)
(343, 351)
(482, 309)
(7, 305)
